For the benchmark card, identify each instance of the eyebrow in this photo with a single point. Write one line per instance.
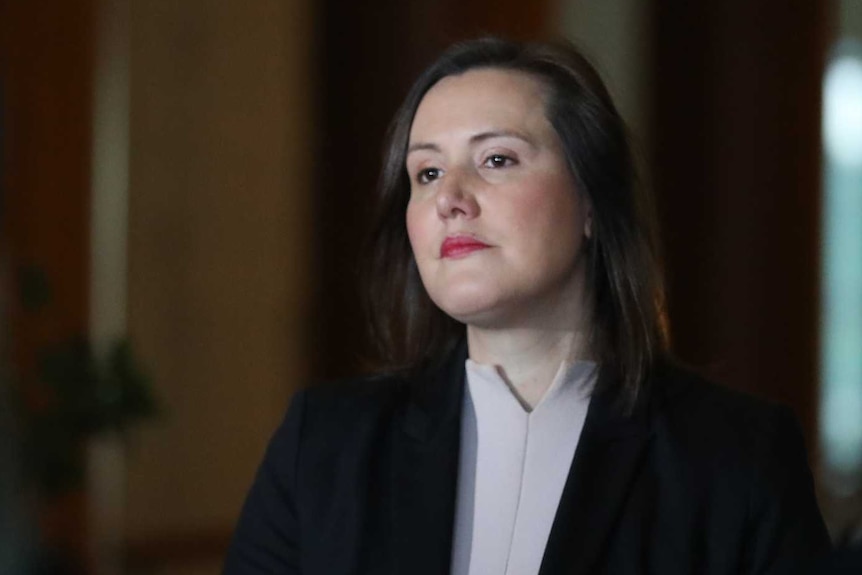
(476, 138)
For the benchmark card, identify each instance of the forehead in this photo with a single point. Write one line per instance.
(480, 99)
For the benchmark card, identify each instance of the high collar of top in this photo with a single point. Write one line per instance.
(572, 379)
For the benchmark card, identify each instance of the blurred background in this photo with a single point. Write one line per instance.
(184, 187)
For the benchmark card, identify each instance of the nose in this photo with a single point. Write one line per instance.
(455, 197)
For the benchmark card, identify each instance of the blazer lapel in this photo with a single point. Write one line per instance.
(608, 456)
(425, 470)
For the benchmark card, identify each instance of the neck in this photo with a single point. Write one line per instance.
(528, 346)
(528, 359)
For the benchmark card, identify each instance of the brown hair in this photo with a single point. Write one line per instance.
(623, 276)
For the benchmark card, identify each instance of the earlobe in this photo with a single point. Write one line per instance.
(588, 226)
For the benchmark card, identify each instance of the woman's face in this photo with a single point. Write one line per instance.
(494, 219)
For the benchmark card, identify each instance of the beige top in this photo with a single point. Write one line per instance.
(512, 469)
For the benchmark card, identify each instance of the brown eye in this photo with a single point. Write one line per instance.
(498, 161)
(427, 175)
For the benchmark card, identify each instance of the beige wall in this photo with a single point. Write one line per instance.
(615, 35)
(219, 180)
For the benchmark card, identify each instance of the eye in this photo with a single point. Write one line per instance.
(498, 161)
(427, 175)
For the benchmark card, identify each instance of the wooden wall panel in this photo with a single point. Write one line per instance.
(46, 77)
(47, 66)
(737, 169)
(221, 107)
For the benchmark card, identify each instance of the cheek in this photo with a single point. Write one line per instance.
(549, 208)
(548, 225)
(416, 231)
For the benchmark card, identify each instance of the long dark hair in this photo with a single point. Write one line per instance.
(623, 276)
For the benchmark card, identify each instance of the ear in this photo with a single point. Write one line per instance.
(588, 224)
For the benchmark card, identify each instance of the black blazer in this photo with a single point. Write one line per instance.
(361, 478)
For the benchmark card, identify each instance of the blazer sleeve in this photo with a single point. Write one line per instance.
(786, 527)
(267, 535)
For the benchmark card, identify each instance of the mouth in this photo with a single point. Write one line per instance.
(455, 247)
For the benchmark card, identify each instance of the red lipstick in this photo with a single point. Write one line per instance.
(460, 246)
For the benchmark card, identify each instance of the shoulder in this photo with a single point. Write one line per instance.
(737, 444)
(726, 440)
(713, 416)
(349, 404)
(368, 392)
(419, 401)
(317, 456)
(746, 452)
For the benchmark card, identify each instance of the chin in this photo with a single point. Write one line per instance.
(476, 307)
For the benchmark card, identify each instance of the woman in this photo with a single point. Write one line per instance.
(530, 423)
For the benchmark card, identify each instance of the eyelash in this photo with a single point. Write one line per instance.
(494, 161)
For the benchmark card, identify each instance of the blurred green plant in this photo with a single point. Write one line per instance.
(75, 395)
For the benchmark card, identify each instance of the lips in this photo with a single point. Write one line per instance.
(460, 246)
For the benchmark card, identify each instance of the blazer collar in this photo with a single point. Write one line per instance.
(609, 454)
(425, 471)
(425, 468)
(435, 396)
